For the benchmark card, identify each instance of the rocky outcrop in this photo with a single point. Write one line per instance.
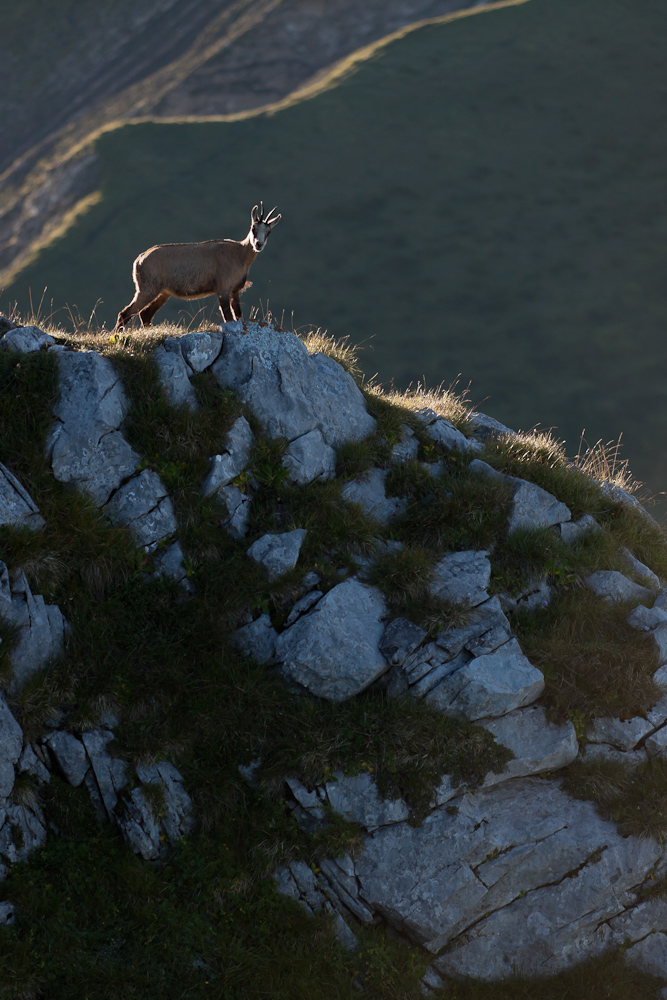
(16, 505)
(41, 627)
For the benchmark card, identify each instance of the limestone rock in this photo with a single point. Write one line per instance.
(487, 629)
(11, 744)
(572, 531)
(228, 465)
(6, 324)
(369, 492)
(641, 572)
(656, 743)
(142, 505)
(534, 597)
(200, 349)
(42, 632)
(257, 639)
(639, 921)
(177, 817)
(407, 447)
(444, 432)
(111, 773)
(489, 685)
(7, 914)
(333, 650)
(603, 751)
(23, 830)
(537, 744)
(297, 881)
(85, 445)
(646, 619)
(174, 374)
(521, 868)
(399, 639)
(309, 457)
(289, 391)
(533, 507)
(278, 554)
(17, 507)
(169, 563)
(236, 504)
(649, 955)
(140, 823)
(462, 577)
(30, 762)
(612, 586)
(622, 733)
(25, 339)
(303, 605)
(484, 427)
(70, 755)
(356, 799)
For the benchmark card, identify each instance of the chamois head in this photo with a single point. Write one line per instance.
(260, 228)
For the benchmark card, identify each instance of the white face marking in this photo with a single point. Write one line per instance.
(260, 234)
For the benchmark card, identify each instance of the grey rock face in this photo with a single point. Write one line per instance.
(139, 821)
(537, 744)
(236, 505)
(70, 755)
(228, 465)
(533, 507)
(641, 572)
(656, 743)
(11, 744)
(174, 374)
(289, 391)
(646, 619)
(85, 445)
(111, 773)
(42, 632)
(25, 339)
(487, 629)
(16, 505)
(650, 955)
(333, 651)
(278, 554)
(170, 563)
(624, 734)
(572, 531)
(445, 433)
(407, 447)
(399, 639)
(462, 577)
(356, 798)
(309, 457)
(369, 492)
(31, 762)
(603, 751)
(304, 604)
(142, 505)
(489, 685)
(23, 823)
(612, 586)
(257, 639)
(485, 427)
(200, 349)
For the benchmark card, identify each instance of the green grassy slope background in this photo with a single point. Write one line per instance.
(485, 197)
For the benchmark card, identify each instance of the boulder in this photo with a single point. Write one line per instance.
(533, 507)
(646, 619)
(142, 824)
(22, 830)
(110, 773)
(32, 761)
(70, 755)
(537, 744)
(487, 629)
(484, 427)
(642, 573)
(399, 639)
(303, 605)
(237, 508)
(25, 339)
(257, 639)
(624, 734)
(489, 685)
(613, 587)
(309, 457)
(42, 632)
(278, 554)
(17, 508)
(656, 743)
(289, 391)
(169, 563)
(233, 460)
(333, 650)
(142, 505)
(200, 349)
(174, 374)
(85, 445)
(357, 800)
(462, 577)
(572, 531)
(369, 492)
(11, 745)
(407, 447)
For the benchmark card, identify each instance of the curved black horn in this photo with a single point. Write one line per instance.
(261, 211)
(269, 214)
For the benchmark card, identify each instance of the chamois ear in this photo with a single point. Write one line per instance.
(273, 222)
(254, 215)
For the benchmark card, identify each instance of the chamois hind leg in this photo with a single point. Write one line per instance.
(225, 308)
(139, 302)
(146, 315)
(236, 305)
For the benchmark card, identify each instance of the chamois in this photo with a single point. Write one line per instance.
(193, 270)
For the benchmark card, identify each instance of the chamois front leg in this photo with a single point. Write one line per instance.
(146, 315)
(236, 304)
(225, 308)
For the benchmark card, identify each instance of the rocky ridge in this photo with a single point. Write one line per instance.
(516, 873)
